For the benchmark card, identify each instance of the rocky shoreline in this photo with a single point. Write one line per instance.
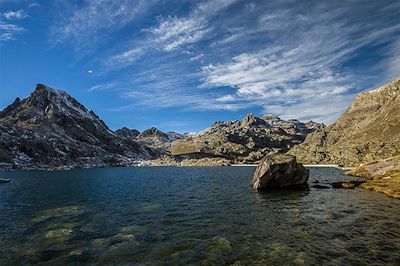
(381, 176)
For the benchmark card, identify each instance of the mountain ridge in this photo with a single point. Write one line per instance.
(244, 141)
(50, 129)
(368, 130)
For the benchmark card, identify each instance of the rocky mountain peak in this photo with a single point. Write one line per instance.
(50, 128)
(251, 120)
(271, 119)
(43, 96)
(152, 132)
(243, 141)
(41, 87)
(10, 108)
(127, 133)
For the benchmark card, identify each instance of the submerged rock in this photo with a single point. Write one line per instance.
(279, 170)
(347, 185)
(4, 180)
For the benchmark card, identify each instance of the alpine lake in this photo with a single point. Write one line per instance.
(191, 216)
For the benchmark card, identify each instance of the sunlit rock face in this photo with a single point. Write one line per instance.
(369, 130)
(50, 129)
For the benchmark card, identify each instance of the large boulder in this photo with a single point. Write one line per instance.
(277, 171)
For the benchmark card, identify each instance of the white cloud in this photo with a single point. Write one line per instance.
(125, 58)
(105, 86)
(19, 14)
(293, 61)
(33, 5)
(393, 63)
(8, 31)
(299, 73)
(174, 32)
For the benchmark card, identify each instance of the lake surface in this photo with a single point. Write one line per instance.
(182, 216)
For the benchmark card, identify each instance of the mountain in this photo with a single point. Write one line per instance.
(127, 133)
(151, 137)
(244, 141)
(51, 129)
(368, 130)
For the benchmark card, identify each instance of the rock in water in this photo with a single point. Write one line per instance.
(277, 171)
(4, 180)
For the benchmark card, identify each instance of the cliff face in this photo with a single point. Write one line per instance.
(51, 129)
(244, 141)
(369, 130)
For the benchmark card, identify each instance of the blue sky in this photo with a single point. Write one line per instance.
(181, 65)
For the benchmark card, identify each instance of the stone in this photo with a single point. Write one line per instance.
(347, 185)
(4, 180)
(381, 176)
(277, 171)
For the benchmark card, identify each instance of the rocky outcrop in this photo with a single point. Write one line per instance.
(244, 141)
(277, 171)
(369, 130)
(382, 176)
(50, 129)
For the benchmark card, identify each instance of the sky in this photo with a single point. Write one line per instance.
(180, 65)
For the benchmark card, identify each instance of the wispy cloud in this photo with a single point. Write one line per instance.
(104, 86)
(19, 14)
(301, 69)
(286, 57)
(8, 31)
(125, 58)
(174, 32)
(393, 61)
(86, 24)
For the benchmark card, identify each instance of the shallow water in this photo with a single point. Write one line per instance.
(181, 216)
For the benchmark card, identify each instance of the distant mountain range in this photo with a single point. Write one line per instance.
(51, 130)
(245, 141)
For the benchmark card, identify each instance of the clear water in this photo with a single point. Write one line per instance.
(182, 216)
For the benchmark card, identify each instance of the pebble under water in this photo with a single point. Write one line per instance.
(183, 216)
